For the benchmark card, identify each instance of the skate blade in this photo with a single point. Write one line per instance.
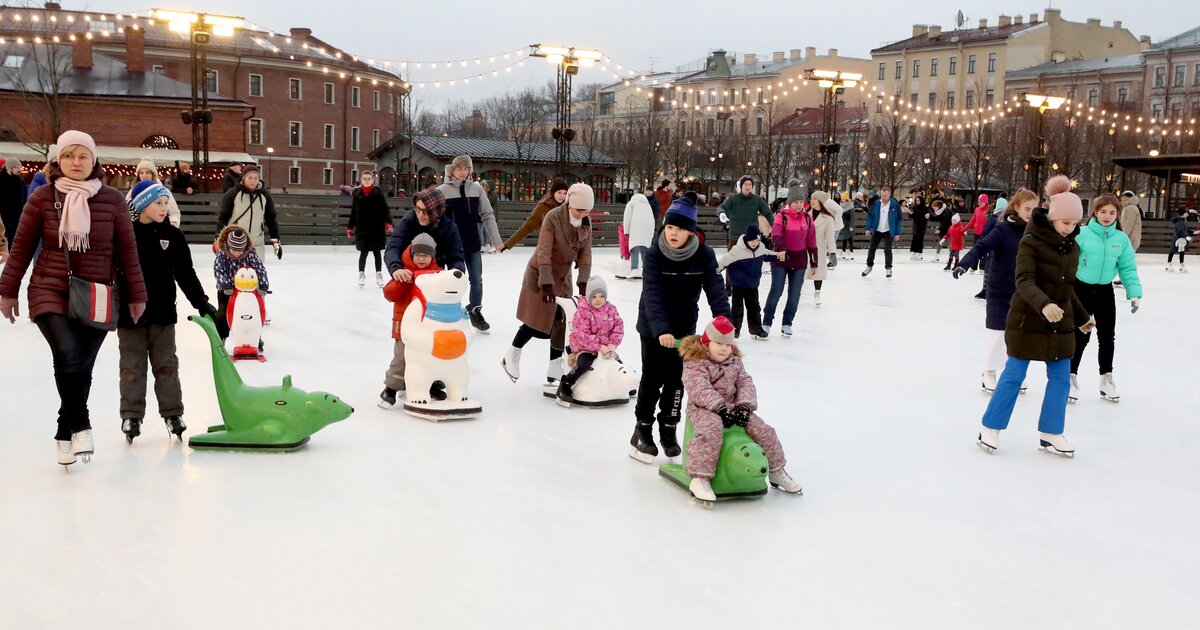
(483, 332)
(702, 503)
(1049, 448)
(1024, 390)
(1111, 399)
(798, 493)
(986, 448)
(385, 405)
(1072, 400)
(562, 403)
(637, 455)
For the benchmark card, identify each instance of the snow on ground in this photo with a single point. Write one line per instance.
(533, 516)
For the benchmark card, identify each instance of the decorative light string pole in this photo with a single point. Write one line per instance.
(834, 84)
(201, 27)
(1037, 157)
(568, 62)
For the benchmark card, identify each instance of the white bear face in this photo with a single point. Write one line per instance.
(619, 378)
(444, 287)
(245, 279)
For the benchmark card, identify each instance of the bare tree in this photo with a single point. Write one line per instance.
(44, 46)
(890, 148)
(518, 117)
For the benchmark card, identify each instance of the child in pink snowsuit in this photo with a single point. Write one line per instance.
(596, 329)
(721, 394)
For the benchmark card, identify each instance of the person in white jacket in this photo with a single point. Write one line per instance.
(146, 170)
(638, 222)
(827, 223)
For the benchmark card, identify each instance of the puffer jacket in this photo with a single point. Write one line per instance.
(1046, 268)
(370, 219)
(467, 204)
(671, 291)
(254, 211)
(715, 386)
(225, 268)
(401, 294)
(638, 221)
(1105, 252)
(978, 220)
(745, 265)
(111, 255)
(165, 261)
(956, 237)
(795, 234)
(1000, 248)
(594, 327)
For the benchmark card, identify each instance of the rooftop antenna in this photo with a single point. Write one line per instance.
(652, 60)
(959, 20)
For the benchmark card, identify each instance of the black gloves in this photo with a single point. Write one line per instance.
(726, 417)
(730, 417)
(582, 288)
(958, 271)
(209, 310)
(548, 293)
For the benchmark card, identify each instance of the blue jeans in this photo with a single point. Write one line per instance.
(795, 282)
(475, 275)
(635, 256)
(1054, 404)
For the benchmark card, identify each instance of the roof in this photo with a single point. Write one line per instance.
(1079, 66)
(108, 77)
(965, 37)
(1185, 39)
(130, 155)
(1161, 165)
(488, 149)
(811, 120)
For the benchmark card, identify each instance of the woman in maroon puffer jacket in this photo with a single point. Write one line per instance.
(95, 228)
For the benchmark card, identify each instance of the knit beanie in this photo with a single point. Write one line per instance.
(1064, 204)
(147, 165)
(558, 184)
(580, 196)
(752, 232)
(818, 198)
(595, 285)
(983, 199)
(1001, 204)
(719, 330)
(956, 218)
(423, 244)
(743, 179)
(71, 138)
(682, 213)
(144, 194)
(237, 241)
(433, 200)
(1128, 193)
(250, 168)
(795, 190)
(13, 163)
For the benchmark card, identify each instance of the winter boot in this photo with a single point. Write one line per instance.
(131, 427)
(989, 440)
(554, 372)
(362, 279)
(175, 426)
(780, 479)
(1056, 444)
(702, 490)
(1108, 389)
(379, 279)
(66, 456)
(512, 363)
(387, 398)
(1074, 395)
(642, 442)
(478, 322)
(666, 437)
(81, 444)
(988, 381)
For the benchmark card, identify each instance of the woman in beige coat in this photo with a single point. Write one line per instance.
(827, 221)
(565, 239)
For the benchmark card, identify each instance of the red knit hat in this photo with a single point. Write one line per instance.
(719, 330)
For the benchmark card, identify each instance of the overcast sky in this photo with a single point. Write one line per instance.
(638, 33)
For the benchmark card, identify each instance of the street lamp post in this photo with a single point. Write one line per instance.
(833, 83)
(1037, 157)
(568, 62)
(270, 152)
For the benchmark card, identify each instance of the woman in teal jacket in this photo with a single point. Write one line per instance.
(1104, 253)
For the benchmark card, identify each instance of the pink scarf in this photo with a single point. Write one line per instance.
(76, 221)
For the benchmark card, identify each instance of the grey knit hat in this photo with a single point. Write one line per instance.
(595, 285)
(423, 244)
(795, 190)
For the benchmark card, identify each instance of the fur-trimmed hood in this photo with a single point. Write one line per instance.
(693, 349)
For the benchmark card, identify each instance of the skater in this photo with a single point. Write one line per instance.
(849, 220)
(183, 183)
(794, 236)
(955, 237)
(978, 221)
(1104, 253)
(428, 216)
(596, 330)
(652, 199)
(1131, 219)
(467, 204)
(639, 229)
(941, 215)
(664, 195)
(745, 263)
(1000, 245)
(165, 261)
(677, 268)
(826, 224)
(920, 218)
(721, 394)
(745, 207)
(883, 226)
(565, 240)
(13, 196)
(1180, 240)
(233, 253)
(1042, 319)
(147, 172)
(249, 205)
(533, 223)
(370, 225)
(418, 258)
(83, 230)
(231, 178)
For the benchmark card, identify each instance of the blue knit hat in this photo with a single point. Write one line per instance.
(144, 194)
(682, 214)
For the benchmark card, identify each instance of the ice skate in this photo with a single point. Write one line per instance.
(786, 331)
(1182, 269)
(1056, 444)
(642, 442)
(175, 426)
(889, 273)
(81, 445)
(388, 397)
(1108, 388)
(817, 298)
(702, 492)
(1073, 396)
(379, 279)
(1171, 267)
(635, 274)
(131, 427)
(554, 372)
(761, 335)
(478, 322)
(512, 363)
(362, 279)
(562, 395)
(780, 479)
(867, 271)
(989, 440)
(988, 381)
(668, 439)
(66, 455)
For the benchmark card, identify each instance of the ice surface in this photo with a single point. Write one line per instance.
(533, 516)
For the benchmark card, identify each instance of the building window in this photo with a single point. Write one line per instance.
(159, 70)
(746, 93)
(932, 100)
(710, 126)
(682, 128)
(953, 65)
(899, 69)
(1196, 75)
(712, 97)
(1176, 110)
(758, 126)
(882, 70)
(256, 85)
(354, 176)
(950, 100)
(933, 67)
(212, 81)
(374, 138)
(916, 68)
(354, 138)
(991, 62)
(1094, 97)
(989, 98)
(745, 126)
(378, 101)
(293, 174)
(329, 131)
(1122, 95)
(391, 103)
(970, 64)
(970, 99)
(878, 107)
(1160, 77)
(329, 94)
(327, 176)
(1180, 71)
(355, 96)
(295, 134)
(913, 99)
(255, 135)
(294, 92)
(1156, 111)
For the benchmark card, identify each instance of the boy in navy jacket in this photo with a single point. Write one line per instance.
(745, 263)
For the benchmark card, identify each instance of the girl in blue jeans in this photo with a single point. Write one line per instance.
(794, 236)
(1042, 319)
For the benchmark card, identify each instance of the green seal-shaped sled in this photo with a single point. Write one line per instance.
(741, 468)
(280, 418)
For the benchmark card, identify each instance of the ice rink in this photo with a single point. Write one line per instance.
(533, 516)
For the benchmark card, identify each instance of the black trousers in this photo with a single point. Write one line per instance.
(745, 302)
(74, 348)
(1101, 302)
(876, 239)
(847, 243)
(583, 363)
(918, 238)
(661, 384)
(362, 260)
(525, 333)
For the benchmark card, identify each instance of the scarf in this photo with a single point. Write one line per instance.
(76, 220)
(367, 189)
(681, 254)
(574, 222)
